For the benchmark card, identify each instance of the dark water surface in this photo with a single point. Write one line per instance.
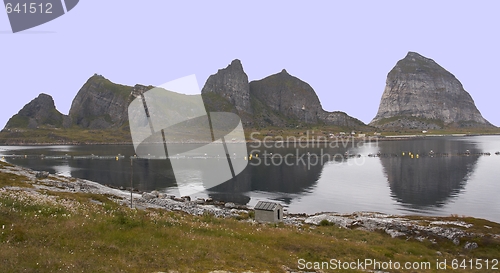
(315, 178)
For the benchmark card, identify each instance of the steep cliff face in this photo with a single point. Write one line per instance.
(41, 111)
(100, 104)
(231, 83)
(288, 95)
(420, 94)
(282, 98)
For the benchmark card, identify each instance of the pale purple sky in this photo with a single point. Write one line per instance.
(343, 49)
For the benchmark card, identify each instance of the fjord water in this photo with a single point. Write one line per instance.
(456, 183)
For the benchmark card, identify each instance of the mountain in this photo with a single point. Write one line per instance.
(231, 83)
(99, 111)
(420, 94)
(100, 104)
(40, 112)
(289, 96)
(279, 100)
(293, 100)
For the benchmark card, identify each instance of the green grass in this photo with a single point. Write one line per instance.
(62, 136)
(122, 91)
(423, 120)
(18, 121)
(445, 131)
(12, 180)
(69, 233)
(420, 65)
(216, 103)
(460, 128)
(479, 225)
(122, 134)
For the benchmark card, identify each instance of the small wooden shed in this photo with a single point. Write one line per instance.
(268, 212)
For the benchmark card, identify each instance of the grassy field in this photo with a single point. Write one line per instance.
(65, 136)
(448, 131)
(122, 135)
(44, 230)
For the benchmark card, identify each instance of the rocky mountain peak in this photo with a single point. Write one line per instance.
(38, 112)
(413, 55)
(288, 95)
(236, 65)
(414, 63)
(44, 100)
(420, 94)
(38, 106)
(231, 83)
(100, 104)
(280, 100)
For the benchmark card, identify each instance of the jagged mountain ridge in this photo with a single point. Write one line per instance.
(420, 94)
(280, 100)
(417, 91)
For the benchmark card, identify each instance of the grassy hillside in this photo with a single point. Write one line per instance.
(73, 135)
(47, 230)
(122, 135)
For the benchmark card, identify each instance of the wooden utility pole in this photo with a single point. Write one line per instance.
(131, 179)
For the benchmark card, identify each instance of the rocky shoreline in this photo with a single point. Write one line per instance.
(432, 229)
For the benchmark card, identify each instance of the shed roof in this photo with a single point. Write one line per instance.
(263, 205)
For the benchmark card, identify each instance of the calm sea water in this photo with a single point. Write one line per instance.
(315, 178)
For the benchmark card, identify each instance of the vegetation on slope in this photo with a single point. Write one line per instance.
(65, 136)
(46, 230)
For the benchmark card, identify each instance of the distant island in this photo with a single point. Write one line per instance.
(420, 95)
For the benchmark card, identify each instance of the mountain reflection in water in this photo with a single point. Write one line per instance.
(429, 180)
(391, 183)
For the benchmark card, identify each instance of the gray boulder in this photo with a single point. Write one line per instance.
(148, 196)
(470, 246)
(42, 175)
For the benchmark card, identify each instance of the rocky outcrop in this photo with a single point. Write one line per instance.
(41, 111)
(100, 104)
(283, 98)
(397, 226)
(420, 94)
(231, 83)
(280, 100)
(288, 95)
